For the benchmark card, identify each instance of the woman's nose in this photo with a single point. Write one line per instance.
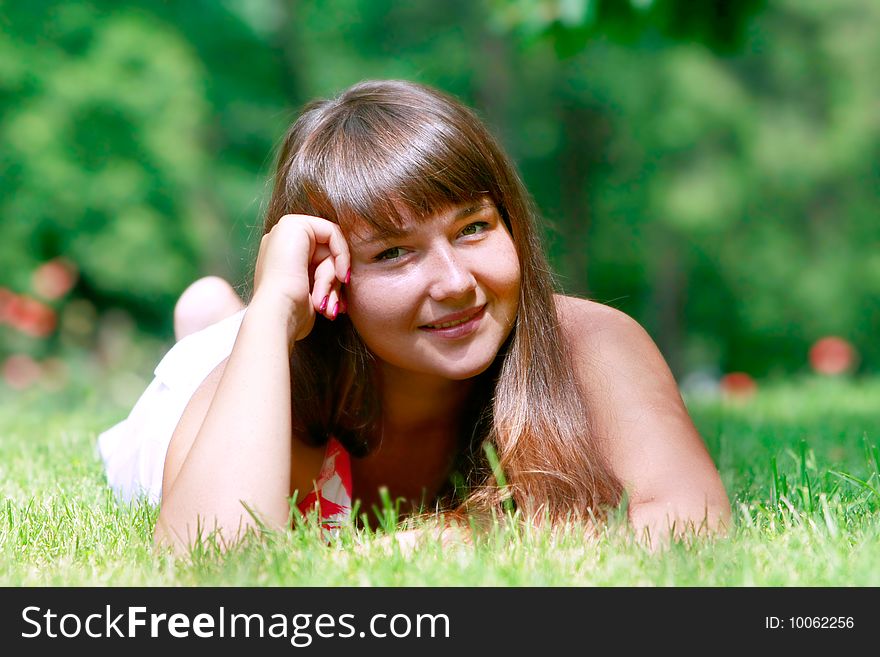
(450, 275)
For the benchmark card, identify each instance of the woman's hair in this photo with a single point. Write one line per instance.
(383, 150)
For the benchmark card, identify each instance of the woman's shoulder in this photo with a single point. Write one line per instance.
(589, 324)
(575, 308)
(609, 346)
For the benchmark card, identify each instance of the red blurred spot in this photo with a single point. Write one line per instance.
(738, 384)
(6, 297)
(30, 316)
(21, 371)
(832, 355)
(53, 279)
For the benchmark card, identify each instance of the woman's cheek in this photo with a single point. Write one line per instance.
(375, 302)
(509, 281)
(508, 275)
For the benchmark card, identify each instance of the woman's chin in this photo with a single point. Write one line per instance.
(454, 367)
(461, 371)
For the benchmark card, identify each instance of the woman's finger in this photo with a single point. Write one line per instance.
(335, 300)
(326, 232)
(320, 254)
(333, 304)
(324, 292)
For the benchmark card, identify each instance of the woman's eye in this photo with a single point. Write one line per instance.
(390, 254)
(474, 228)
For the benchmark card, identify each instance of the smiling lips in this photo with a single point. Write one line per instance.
(455, 320)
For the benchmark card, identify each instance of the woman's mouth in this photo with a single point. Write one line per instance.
(457, 325)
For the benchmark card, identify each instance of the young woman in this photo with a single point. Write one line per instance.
(402, 332)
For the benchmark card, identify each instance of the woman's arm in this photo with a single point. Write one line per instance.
(652, 444)
(239, 455)
(232, 462)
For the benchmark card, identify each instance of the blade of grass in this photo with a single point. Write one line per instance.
(500, 479)
(855, 480)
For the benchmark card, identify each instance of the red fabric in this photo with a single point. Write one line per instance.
(332, 492)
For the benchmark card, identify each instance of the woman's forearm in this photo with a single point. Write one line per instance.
(239, 461)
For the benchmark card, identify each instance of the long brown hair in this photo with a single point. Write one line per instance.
(386, 148)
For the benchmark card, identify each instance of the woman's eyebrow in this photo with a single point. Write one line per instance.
(391, 233)
(382, 235)
(472, 208)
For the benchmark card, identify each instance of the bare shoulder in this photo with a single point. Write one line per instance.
(609, 342)
(575, 308)
(616, 361)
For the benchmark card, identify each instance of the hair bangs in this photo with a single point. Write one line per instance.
(385, 170)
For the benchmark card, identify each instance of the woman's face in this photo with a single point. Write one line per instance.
(442, 297)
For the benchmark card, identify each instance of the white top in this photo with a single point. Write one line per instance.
(134, 450)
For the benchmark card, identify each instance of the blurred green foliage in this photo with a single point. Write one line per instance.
(710, 168)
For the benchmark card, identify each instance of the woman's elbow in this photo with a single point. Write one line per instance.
(661, 521)
(184, 534)
(165, 536)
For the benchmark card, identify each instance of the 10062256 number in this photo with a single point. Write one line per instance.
(821, 622)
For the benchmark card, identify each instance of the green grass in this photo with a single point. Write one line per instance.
(800, 462)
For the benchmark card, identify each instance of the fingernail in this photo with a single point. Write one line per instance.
(324, 303)
(348, 276)
(335, 311)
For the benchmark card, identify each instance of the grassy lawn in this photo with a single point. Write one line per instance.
(799, 460)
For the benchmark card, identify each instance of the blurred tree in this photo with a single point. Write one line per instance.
(103, 144)
(572, 24)
(109, 136)
(757, 172)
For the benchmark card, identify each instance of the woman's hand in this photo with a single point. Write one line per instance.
(410, 540)
(301, 267)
